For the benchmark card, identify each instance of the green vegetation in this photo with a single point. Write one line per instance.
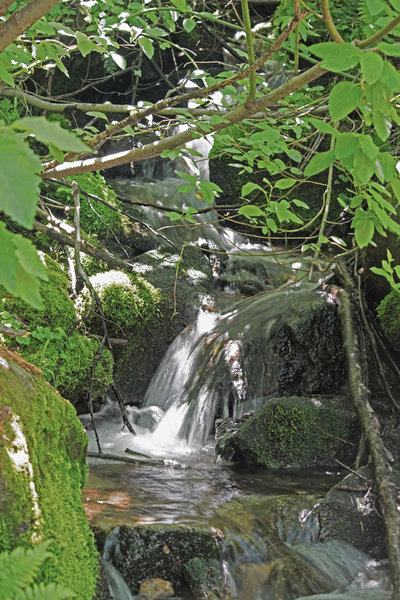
(96, 217)
(18, 571)
(57, 454)
(65, 360)
(129, 303)
(292, 432)
(389, 317)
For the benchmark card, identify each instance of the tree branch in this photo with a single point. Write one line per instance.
(333, 32)
(22, 19)
(175, 141)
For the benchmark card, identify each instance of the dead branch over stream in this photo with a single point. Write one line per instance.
(380, 457)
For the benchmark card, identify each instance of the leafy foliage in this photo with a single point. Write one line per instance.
(18, 571)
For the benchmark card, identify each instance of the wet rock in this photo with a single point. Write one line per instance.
(206, 579)
(299, 353)
(160, 551)
(42, 471)
(156, 588)
(349, 513)
(294, 432)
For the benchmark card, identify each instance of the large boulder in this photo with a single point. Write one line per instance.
(160, 551)
(42, 471)
(294, 432)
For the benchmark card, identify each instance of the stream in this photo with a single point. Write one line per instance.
(175, 477)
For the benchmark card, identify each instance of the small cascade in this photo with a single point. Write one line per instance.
(202, 229)
(117, 586)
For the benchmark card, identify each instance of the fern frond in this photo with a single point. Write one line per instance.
(19, 568)
(51, 591)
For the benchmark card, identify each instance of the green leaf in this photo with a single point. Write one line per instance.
(98, 114)
(284, 184)
(57, 153)
(375, 6)
(28, 257)
(300, 203)
(19, 180)
(209, 190)
(147, 46)
(363, 167)
(319, 162)
(363, 228)
(250, 187)
(173, 216)
(346, 145)
(322, 126)
(385, 166)
(15, 278)
(371, 66)
(395, 4)
(272, 225)
(186, 176)
(180, 5)
(395, 183)
(382, 125)
(118, 59)
(337, 57)
(250, 211)
(389, 49)
(368, 147)
(189, 25)
(51, 133)
(85, 45)
(5, 75)
(343, 99)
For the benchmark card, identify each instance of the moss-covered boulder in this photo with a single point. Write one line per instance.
(159, 551)
(389, 317)
(294, 432)
(58, 309)
(42, 471)
(65, 358)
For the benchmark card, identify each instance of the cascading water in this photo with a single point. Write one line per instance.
(215, 368)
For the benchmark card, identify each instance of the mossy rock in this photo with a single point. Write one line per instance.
(95, 216)
(295, 432)
(389, 317)
(128, 302)
(147, 552)
(58, 309)
(41, 485)
(68, 362)
(205, 579)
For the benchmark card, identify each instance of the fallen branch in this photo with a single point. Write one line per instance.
(383, 474)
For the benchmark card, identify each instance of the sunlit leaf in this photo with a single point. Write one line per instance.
(319, 162)
(19, 179)
(51, 133)
(343, 99)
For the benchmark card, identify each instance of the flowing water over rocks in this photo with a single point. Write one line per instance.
(263, 358)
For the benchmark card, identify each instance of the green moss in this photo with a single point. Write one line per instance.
(73, 372)
(58, 309)
(57, 448)
(96, 217)
(292, 431)
(389, 317)
(129, 303)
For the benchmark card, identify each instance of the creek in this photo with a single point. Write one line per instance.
(215, 368)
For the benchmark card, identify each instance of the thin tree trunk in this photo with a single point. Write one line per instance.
(383, 474)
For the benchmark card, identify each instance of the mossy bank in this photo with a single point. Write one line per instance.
(42, 471)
